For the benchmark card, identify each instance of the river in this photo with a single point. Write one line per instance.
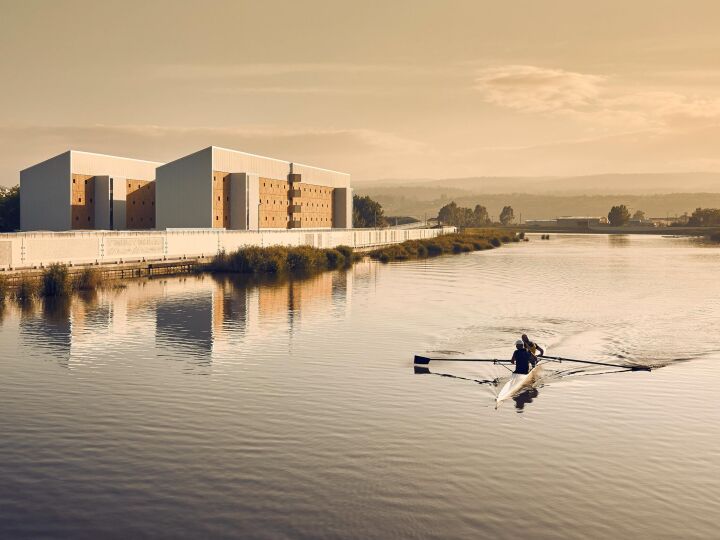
(196, 407)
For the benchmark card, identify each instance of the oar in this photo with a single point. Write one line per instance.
(630, 367)
(425, 360)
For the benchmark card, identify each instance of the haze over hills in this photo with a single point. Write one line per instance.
(643, 183)
(657, 194)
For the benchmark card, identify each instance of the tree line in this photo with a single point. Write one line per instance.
(9, 208)
(701, 217)
(452, 214)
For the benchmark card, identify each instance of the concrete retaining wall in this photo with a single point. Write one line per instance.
(35, 249)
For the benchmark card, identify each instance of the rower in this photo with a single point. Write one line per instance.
(521, 358)
(532, 348)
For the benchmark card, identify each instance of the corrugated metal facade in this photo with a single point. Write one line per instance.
(102, 165)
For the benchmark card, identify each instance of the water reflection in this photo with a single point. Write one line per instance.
(618, 240)
(525, 398)
(191, 318)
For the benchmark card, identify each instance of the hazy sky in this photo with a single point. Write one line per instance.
(375, 88)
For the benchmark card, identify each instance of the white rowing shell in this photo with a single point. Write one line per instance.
(516, 383)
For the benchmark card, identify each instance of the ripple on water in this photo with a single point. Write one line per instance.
(199, 407)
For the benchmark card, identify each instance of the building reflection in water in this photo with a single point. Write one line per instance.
(193, 318)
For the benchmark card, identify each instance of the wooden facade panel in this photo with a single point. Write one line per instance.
(82, 201)
(221, 200)
(274, 207)
(140, 204)
(316, 206)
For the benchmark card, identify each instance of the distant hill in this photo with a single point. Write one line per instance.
(541, 206)
(645, 183)
(657, 194)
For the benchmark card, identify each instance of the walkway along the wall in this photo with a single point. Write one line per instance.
(30, 250)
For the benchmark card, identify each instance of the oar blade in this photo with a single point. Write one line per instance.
(422, 360)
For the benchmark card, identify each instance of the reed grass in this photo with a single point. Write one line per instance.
(4, 288)
(88, 280)
(281, 259)
(465, 242)
(28, 288)
(56, 281)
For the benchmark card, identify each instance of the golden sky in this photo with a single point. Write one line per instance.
(380, 89)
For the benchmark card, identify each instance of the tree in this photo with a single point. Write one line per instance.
(9, 208)
(481, 215)
(367, 213)
(452, 214)
(704, 217)
(448, 214)
(507, 215)
(618, 215)
(639, 215)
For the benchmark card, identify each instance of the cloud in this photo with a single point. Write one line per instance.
(537, 89)
(599, 102)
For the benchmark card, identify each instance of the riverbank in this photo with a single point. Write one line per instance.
(60, 280)
(35, 250)
(465, 242)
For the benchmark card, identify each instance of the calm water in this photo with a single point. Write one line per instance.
(197, 407)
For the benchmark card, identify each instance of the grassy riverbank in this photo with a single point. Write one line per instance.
(281, 259)
(465, 242)
(57, 280)
(54, 281)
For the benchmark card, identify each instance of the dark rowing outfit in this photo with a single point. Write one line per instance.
(522, 360)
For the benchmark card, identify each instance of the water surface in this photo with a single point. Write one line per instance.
(202, 407)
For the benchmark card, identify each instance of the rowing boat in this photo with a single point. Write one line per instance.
(517, 382)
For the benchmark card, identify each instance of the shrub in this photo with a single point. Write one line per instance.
(495, 242)
(27, 289)
(4, 288)
(89, 279)
(305, 259)
(335, 258)
(56, 281)
(346, 251)
(255, 259)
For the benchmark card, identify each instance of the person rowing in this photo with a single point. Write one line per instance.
(532, 348)
(522, 358)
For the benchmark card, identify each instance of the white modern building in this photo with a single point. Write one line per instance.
(228, 189)
(212, 188)
(82, 190)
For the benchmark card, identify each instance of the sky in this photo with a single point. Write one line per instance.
(379, 89)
